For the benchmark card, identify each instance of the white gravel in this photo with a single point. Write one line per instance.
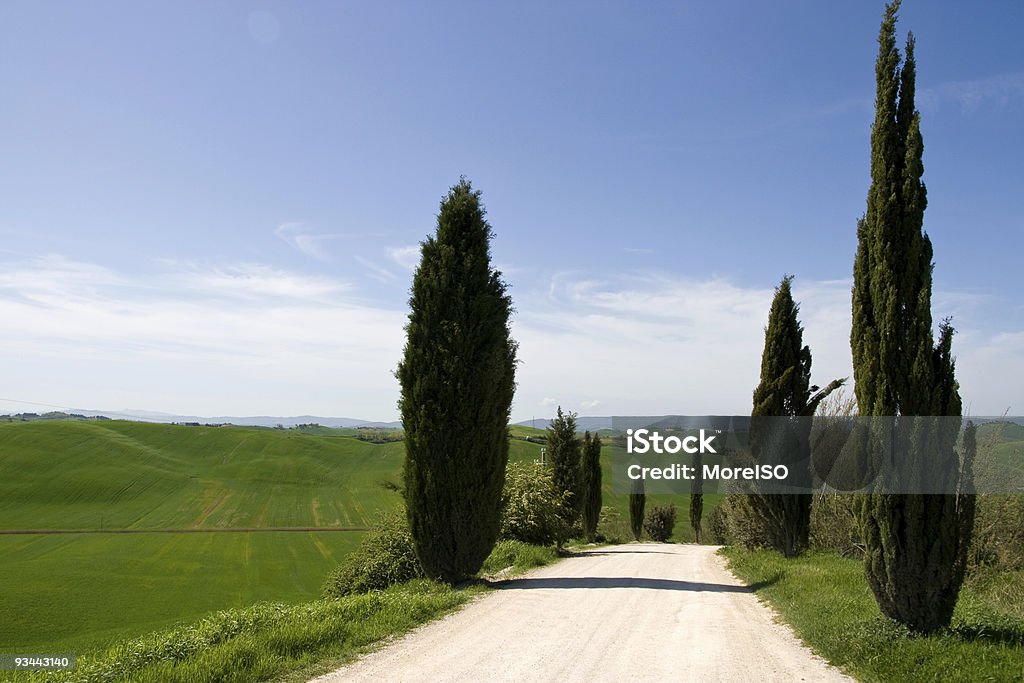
(638, 612)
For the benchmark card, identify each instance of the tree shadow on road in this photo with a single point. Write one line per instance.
(629, 582)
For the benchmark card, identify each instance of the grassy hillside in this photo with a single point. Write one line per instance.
(74, 475)
(79, 590)
(76, 591)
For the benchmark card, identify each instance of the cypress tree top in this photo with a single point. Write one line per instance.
(891, 336)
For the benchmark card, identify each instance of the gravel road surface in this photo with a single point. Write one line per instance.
(638, 612)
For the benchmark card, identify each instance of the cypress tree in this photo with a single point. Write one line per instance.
(697, 497)
(785, 391)
(564, 455)
(457, 379)
(590, 484)
(915, 544)
(637, 503)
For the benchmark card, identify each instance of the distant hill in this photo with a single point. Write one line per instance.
(241, 421)
(583, 423)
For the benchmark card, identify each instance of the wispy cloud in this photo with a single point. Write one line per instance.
(970, 95)
(408, 257)
(302, 238)
(375, 270)
(257, 281)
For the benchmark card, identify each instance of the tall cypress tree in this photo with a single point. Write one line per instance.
(564, 455)
(915, 544)
(697, 497)
(785, 391)
(590, 484)
(457, 379)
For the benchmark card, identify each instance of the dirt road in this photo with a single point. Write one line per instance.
(649, 612)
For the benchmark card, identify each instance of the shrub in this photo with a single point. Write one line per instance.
(611, 527)
(998, 541)
(386, 556)
(531, 506)
(834, 525)
(734, 523)
(661, 519)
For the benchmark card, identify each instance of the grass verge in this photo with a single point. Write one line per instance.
(265, 640)
(517, 557)
(826, 600)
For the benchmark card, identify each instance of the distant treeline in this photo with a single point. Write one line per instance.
(53, 415)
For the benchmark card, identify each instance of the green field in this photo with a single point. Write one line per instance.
(132, 475)
(181, 491)
(73, 592)
(77, 591)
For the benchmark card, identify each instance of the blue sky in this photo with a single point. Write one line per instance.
(213, 208)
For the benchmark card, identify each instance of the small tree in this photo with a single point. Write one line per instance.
(564, 456)
(457, 378)
(785, 391)
(531, 506)
(590, 480)
(637, 502)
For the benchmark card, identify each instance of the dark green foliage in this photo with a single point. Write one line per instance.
(696, 514)
(563, 453)
(386, 556)
(785, 391)
(457, 377)
(697, 497)
(590, 484)
(734, 522)
(637, 502)
(531, 506)
(915, 544)
(661, 520)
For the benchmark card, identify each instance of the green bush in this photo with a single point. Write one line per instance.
(661, 519)
(834, 525)
(734, 523)
(998, 540)
(531, 506)
(385, 557)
